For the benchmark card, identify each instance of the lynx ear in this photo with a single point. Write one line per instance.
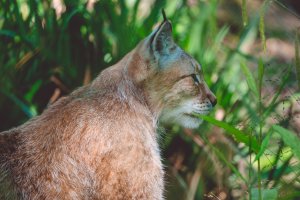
(162, 41)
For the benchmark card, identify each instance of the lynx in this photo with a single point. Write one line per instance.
(100, 142)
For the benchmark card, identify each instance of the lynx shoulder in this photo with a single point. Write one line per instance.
(100, 142)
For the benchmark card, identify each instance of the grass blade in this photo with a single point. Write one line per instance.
(244, 13)
(289, 138)
(264, 145)
(297, 59)
(262, 27)
(250, 79)
(261, 70)
(267, 194)
(238, 135)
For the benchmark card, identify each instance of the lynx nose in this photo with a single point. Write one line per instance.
(212, 98)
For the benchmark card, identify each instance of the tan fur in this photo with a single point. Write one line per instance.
(100, 142)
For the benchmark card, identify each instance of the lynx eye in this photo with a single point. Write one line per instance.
(195, 78)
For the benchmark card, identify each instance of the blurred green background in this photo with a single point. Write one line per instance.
(249, 49)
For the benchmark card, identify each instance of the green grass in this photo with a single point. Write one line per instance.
(45, 56)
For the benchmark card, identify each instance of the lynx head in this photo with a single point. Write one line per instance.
(172, 80)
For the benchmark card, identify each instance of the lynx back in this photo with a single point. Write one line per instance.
(100, 142)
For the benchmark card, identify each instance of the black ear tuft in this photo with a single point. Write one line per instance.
(161, 41)
(164, 14)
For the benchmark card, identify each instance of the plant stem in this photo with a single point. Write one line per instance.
(249, 173)
(260, 130)
(259, 180)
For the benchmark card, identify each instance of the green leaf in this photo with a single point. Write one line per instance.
(297, 59)
(30, 111)
(34, 88)
(264, 145)
(244, 13)
(267, 194)
(238, 135)
(8, 33)
(262, 27)
(289, 139)
(261, 70)
(250, 79)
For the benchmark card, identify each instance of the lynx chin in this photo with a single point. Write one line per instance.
(100, 142)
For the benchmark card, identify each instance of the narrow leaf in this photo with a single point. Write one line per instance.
(267, 194)
(250, 79)
(33, 90)
(8, 33)
(261, 70)
(28, 110)
(289, 139)
(244, 13)
(297, 59)
(262, 27)
(238, 135)
(263, 146)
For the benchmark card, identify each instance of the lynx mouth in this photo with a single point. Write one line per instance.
(196, 114)
(190, 115)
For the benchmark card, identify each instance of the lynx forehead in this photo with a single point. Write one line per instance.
(100, 142)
